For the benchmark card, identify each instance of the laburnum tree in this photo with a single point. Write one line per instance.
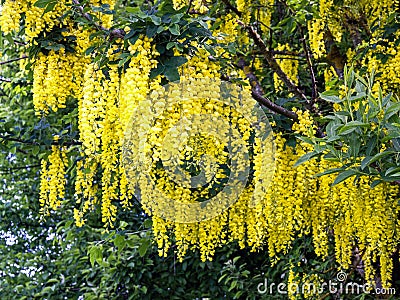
(82, 83)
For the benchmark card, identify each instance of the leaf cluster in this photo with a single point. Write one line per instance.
(363, 133)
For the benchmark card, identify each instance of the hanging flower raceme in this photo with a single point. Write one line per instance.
(52, 184)
(188, 152)
(104, 113)
(288, 65)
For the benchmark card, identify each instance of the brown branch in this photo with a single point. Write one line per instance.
(258, 93)
(56, 143)
(314, 91)
(269, 57)
(113, 34)
(12, 170)
(231, 7)
(12, 60)
(288, 53)
(20, 167)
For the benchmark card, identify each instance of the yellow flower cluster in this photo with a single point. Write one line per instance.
(305, 204)
(289, 67)
(10, 15)
(265, 12)
(52, 183)
(389, 78)
(305, 124)
(293, 283)
(329, 74)
(198, 6)
(105, 19)
(35, 20)
(296, 204)
(105, 108)
(38, 22)
(375, 12)
(317, 27)
(55, 77)
(245, 7)
(85, 188)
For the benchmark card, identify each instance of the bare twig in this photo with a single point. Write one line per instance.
(288, 53)
(12, 60)
(17, 140)
(314, 91)
(12, 170)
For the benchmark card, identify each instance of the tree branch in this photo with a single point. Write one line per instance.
(258, 93)
(314, 91)
(232, 8)
(12, 170)
(113, 34)
(55, 143)
(12, 60)
(272, 62)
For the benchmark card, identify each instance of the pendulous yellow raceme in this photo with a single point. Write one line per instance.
(289, 66)
(52, 183)
(366, 14)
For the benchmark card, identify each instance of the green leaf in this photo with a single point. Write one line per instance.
(119, 242)
(233, 285)
(330, 96)
(392, 110)
(172, 74)
(176, 18)
(156, 20)
(358, 96)
(174, 29)
(49, 7)
(305, 157)
(143, 247)
(391, 135)
(351, 126)
(170, 45)
(95, 254)
(210, 49)
(130, 34)
(157, 71)
(375, 183)
(42, 3)
(329, 171)
(392, 170)
(176, 61)
(132, 10)
(124, 57)
(343, 176)
(147, 223)
(371, 159)
(354, 145)
(90, 50)
(35, 150)
(151, 30)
